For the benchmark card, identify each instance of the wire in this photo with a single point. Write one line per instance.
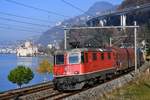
(2, 27)
(25, 17)
(35, 8)
(23, 27)
(13, 20)
(77, 8)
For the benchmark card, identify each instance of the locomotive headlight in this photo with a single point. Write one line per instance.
(65, 69)
(76, 72)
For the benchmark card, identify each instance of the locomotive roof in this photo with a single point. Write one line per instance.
(84, 49)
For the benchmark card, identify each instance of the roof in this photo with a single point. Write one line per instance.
(84, 49)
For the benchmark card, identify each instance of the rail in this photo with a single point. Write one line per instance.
(12, 94)
(46, 91)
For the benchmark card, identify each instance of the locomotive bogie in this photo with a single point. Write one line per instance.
(77, 82)
(69, 83)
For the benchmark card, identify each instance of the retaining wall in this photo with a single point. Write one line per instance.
(101, 90)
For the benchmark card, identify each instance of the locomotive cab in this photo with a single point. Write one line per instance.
(68, 63)
(67, 66)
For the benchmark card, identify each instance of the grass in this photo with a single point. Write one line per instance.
(136, 90)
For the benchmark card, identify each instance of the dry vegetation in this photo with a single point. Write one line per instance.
(136, 90)
(131, 3)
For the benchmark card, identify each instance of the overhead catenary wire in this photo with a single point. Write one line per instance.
(13, 20)
(19, 26)
(35, 19)
(77, 8)
(36, 8)
(4, 27)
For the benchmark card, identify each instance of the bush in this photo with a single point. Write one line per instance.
(45, 68)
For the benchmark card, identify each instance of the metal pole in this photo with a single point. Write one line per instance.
(104, 27)
(135, 46)
(110, 41)
(121, 20)
(65, 39)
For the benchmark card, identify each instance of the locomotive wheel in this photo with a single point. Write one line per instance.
(91, 82)
(109, 76)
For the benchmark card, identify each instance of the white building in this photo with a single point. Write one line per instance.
(50, 46)
(27, 50)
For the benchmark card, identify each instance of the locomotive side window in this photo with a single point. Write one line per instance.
(109, 55)
(94, 56)
(86, 57)
(74, 58)
(82, 57)
(102, 56)
(59, 59)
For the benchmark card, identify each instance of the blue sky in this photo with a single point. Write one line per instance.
(8, 28)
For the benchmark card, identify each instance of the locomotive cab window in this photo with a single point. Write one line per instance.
(74, 58)
(109, 55)
(59, 59)
(94, 56)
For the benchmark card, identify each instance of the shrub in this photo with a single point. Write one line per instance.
(45, 68)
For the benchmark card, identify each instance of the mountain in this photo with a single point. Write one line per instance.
(100, 7)
(56, 33)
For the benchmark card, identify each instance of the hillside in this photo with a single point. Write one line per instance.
(56, 32)
(131, 3)
(142, 17)
(136, 90)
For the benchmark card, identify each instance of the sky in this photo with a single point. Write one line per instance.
(14, 28)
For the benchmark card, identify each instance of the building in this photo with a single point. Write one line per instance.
(27, 50)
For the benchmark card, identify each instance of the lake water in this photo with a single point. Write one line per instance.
(10, 61)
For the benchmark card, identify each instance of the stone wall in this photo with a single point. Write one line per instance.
(101, 90)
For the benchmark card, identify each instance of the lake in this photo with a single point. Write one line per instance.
(10, 61)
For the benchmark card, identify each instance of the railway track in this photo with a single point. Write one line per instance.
(41, 92)
(51, 94)
(45, 92)
(14, 94)
(59, 95)
(37, 92)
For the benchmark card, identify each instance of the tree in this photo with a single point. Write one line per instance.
(45, 68)
(93, 38)
(21, 75)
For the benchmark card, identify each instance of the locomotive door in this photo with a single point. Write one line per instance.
(86, 62)
(118, 60)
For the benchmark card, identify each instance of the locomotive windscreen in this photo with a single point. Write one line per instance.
(74, 58)
(59, 59)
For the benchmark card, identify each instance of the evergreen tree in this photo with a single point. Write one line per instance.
(21, 75)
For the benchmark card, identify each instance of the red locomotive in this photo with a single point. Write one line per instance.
(73, 69)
